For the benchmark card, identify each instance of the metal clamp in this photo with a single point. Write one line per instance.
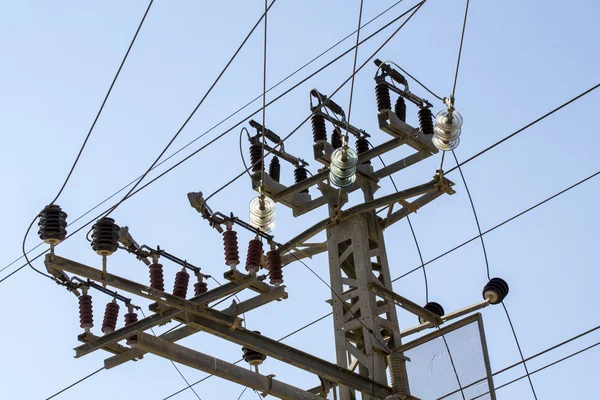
(270, 387)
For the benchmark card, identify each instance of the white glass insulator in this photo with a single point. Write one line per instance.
(262, 214)
(448, 121)
(444, 134)
(343, 167)
(445, 145)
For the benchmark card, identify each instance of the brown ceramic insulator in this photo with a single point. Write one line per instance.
(200, 287)
(157, 280)
(274, 263)
(255, 251)
(382, 95)
(86, 313)
(130, 318)
(182, 279)
(232, 254)
(362, 146)
(111, 314)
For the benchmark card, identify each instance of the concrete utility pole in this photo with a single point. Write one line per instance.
(368, 338)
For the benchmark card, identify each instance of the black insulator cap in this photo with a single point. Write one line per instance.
(275, 169)
(426, 121)
(495, 290)
(362, 146)
(336, 138)
(253, 357)
(52, 224)
(435, 308)
(318, 127)
(105, 236)
(400, 109)
(382, 96)
(256, 155)
(300, 174)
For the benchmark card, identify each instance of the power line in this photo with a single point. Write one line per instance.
(103, 103)
(531, 358)
(264, 15)
(231, 115)
(462, 38)
(354, 67)
(527, 126)
(487, 266)
(75, 383)
(501, 224)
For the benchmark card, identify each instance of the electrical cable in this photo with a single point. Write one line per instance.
(414, 8)
(192, 113)
(264, 108)
(501, 224)
(103, 102)
(233, 127)
(354, 69)
(173, 363)
(531, 358)
(462, 38)
(75, 383)
(487, 266)
(527, 126)
(28, 262)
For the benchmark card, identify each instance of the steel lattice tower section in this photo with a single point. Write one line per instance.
(363, 325)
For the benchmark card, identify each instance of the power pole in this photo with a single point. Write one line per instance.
(368, 337)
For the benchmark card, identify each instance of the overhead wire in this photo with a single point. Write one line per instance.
(501, 224)
(188, 119)
(462, 38)
(224, 133)
(264, 108)
(80, 152)
(354, 70)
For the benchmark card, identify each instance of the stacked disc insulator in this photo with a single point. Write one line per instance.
(318, 128)
(232, 255)
(86, 312)
(157, 280)
(105, 236)
(447, 130)
(256, 154)
(182, 280)
(253, 357)
(495, 290)
(435, 308)
(255, 251)
(300, 174)
(111, 314)
(336, 138)
(362, 146)
(400, 108)
(275, 268)
(426, 121)
(52, 224)
(342, 170)
(275, 169)
(200, 286)
(130, 318)
(382, 95)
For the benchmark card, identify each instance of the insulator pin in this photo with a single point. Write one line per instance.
(382, 95)
(400, 109)
(275, 169)
(105, 236)
(318, 128)
(495, 290)
(111, 314)
(52, 224)
(232, 255)
(182, 279)
(275, 268)
(255, 251)
(157, 280)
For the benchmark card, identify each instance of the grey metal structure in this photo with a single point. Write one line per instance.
(367, 334)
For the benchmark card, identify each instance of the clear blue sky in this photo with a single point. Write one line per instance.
(520, 60)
